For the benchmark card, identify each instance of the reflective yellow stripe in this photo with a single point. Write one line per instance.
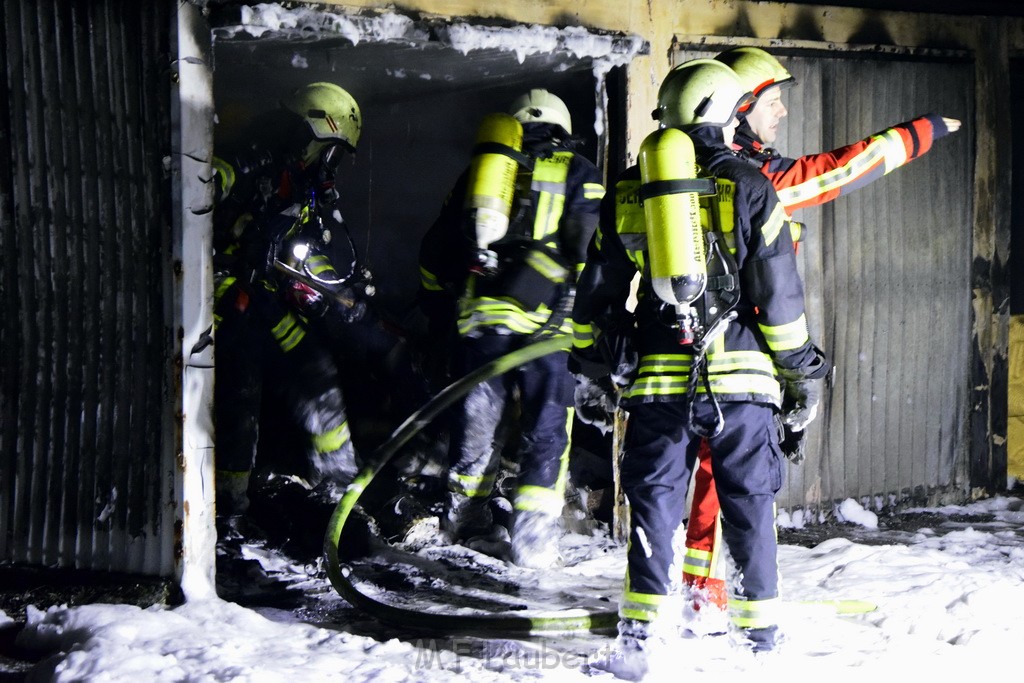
(538, 499)
(226, 175)
(660, 362)
(773, 226)
(718, 362)
(563, 469)
(656, 386)
(550, 501)
(729, 361)
(549, 176)
(582, 335)
(470, 485)
(593, 191)
(223, 287)
(732, 372)
(288, 332)
(796, 228)
(429, 280)
(697, 562)
(642, 606)
(735, 384)
(490, 312)
(838, 177)
(332, 440)
(895, 150)
(319, 264)
(546, 266)
(754, 613)
(786, 337)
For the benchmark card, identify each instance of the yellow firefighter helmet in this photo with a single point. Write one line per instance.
(539, 105)
(700, 92)
(330, 111)
(757, 69)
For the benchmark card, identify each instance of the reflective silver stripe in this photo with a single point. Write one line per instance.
(548, 186)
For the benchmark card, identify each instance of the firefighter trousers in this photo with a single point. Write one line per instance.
(260, 344)
(545, 392)
(659, 455)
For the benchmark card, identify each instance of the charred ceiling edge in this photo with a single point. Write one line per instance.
(781, 45)
(312, 23)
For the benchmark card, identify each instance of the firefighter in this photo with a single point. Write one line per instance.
(282, 262)
(498, 269)
(809, 180)
(710, 363)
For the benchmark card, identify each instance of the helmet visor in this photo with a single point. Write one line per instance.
(331, 157)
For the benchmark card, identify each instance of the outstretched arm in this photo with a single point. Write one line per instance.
(815, 179)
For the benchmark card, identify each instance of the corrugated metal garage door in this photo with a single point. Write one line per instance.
(887, 274)
(84, 238)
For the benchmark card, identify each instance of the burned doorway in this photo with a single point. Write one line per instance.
(422, 87)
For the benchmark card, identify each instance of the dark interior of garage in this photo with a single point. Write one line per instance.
(420, 104)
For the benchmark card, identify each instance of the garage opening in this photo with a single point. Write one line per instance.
(423, 87)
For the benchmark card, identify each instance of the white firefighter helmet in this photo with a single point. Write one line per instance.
(330, 111)
(700, 92)
(539, 105)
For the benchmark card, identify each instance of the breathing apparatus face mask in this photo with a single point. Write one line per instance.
(319, 160)
(330, 158)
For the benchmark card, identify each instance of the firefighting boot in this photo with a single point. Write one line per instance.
(534, 542)
(628, 659)
(338, 467)
(465, 517)
(763, 639)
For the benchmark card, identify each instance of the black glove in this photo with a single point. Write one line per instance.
(586, 363)
(612, 356)
(595, 402)
(802, 389)
(349, 306)
(793, 445)
(621, 357)
(801, 396)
